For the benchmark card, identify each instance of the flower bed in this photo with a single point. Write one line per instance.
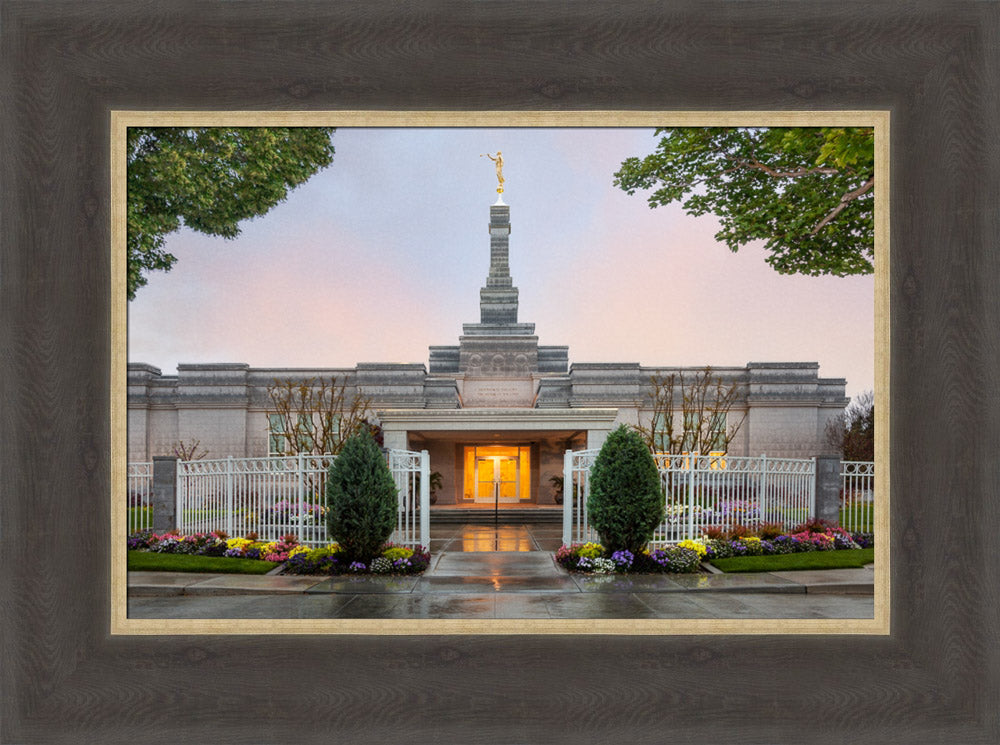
(216, 543)
(591, 558)
(331, 560)
(298, 559)
(686, 556)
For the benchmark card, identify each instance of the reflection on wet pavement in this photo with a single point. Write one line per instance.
(505, 571)
(478, 538)
(512, 605)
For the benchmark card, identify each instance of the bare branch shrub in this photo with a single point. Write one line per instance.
(704, 402)
(316, 415)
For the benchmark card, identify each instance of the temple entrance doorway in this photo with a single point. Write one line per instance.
(497, 474)
(497, 479)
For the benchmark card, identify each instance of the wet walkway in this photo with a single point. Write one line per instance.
(479, 572)
(507, 538)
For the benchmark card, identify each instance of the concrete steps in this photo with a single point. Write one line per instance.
(504, 516)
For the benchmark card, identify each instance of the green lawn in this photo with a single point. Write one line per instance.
(859, 518)
(848, 558)
(139, 516)
(146, 561)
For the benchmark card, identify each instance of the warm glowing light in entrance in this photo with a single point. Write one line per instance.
(497, 473)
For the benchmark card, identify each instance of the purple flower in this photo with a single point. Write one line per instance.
(622, 559)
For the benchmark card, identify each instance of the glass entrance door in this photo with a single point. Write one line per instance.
(496, 472)
(497, 478)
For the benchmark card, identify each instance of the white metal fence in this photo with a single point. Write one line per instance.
(411, 472)
(857, 495)
(140, 496)
(277, 496)
(703, 491)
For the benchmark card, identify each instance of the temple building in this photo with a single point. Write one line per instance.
(496, 412)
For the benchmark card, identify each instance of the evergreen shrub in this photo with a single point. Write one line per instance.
(626, 503)
(361, 499)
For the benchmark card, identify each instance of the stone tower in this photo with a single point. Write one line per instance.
(498, 346)
(498, 299)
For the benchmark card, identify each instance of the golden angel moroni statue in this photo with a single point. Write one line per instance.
(499, 163)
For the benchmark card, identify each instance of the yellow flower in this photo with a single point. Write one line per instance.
(397, 552)
(590, 550)
(697, 546)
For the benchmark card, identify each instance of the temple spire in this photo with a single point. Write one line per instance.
(498, 298)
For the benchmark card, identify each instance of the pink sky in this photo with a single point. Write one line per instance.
(383, 254)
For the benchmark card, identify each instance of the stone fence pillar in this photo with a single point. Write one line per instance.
(164, 493)
(828, 488)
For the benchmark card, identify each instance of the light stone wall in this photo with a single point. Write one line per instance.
(222, 432)
(627, 415)
(225, 405)
(787, 431)
(151, 432)
(395, 440)
(138, 436)
(257, 432)
(596, 438)
(740, 444)
(164, 432)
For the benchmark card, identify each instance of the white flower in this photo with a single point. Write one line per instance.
(603, 566)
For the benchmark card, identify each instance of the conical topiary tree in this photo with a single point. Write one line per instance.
(361, 498)
(626, 503)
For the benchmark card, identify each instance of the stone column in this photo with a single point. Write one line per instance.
(828, 488)
(596, 438)
(395, 439)
(164, 493)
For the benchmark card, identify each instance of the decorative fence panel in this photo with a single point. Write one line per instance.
(411, 472)
(140, 496)
(703, 491)
(857, 495)
(282, 495)
(576, 492)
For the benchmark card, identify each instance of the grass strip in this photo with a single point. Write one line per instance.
(843, 559)
(860, 518)
(148, 561)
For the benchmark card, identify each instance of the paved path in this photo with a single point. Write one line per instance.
(521, 580)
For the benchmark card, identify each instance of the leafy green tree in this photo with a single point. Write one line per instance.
(361, 498)
(626, 503)
(807, 192)
(209, 179)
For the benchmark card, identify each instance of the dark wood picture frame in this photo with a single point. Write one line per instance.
(65, 66)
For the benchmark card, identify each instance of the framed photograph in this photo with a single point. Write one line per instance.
(75, 667)
(402, 247)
